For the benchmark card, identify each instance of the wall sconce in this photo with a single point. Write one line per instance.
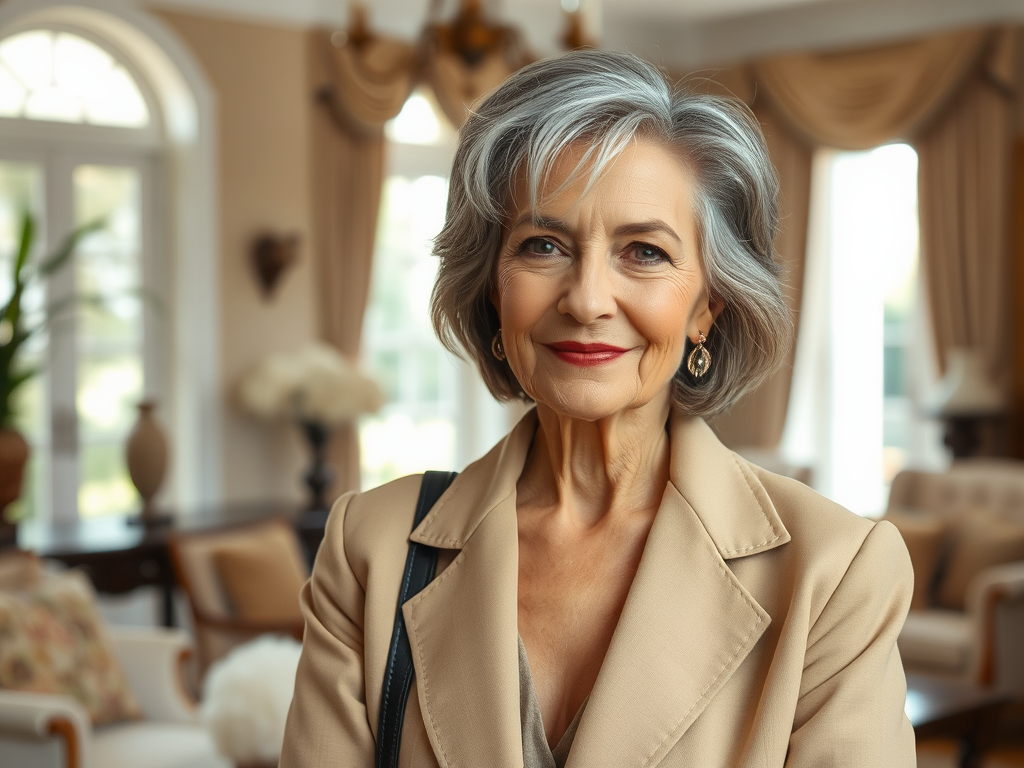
(272, 255)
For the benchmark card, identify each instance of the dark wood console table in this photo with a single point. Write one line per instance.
(120, 556)
(944, 708)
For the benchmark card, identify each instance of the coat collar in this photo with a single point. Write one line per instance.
(719, 486)
(686, 626)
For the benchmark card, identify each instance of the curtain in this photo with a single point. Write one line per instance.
(758, 419)
(950, 95)
(860, 99)
(355, 99)
(359, 88)
(964, 208)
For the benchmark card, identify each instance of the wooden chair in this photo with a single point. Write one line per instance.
(242, 581)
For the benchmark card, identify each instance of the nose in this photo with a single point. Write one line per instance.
(589, 291)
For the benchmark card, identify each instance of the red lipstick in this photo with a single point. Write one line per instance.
(586, 355)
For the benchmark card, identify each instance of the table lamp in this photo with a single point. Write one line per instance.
(965, 397)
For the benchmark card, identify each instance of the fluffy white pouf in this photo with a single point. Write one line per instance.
(246, 699)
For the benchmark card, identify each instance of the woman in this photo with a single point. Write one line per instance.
(616, 588)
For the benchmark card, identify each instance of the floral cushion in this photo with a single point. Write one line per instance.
(52, 641)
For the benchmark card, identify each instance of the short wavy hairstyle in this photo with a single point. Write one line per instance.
(602, 101)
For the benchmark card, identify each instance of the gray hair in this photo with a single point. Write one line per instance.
(605, 100)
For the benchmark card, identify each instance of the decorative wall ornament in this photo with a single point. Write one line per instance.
(272, 255)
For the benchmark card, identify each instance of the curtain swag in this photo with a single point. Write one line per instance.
(860, 99)
(367, 85)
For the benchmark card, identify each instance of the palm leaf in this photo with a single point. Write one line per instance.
(67, 248)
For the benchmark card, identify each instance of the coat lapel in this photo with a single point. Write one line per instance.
(463, 627)
(686, 627)
(688, 623)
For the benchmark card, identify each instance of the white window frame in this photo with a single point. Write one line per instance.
(57, 148)
(173, 78)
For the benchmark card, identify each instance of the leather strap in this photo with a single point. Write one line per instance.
(420, 565)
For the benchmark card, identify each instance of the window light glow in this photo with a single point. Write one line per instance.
(417, 123)
(62, 77)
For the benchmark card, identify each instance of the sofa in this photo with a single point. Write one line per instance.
(964, 529)
(44, 730)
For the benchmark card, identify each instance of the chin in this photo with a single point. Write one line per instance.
(585, 401)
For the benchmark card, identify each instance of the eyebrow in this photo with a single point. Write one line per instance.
(629, 230)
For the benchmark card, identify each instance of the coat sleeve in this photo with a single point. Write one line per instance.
(327, 722)
(853, 690)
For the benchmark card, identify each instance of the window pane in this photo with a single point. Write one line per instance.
(21, 190)
(12, 94)
(873, 242)
(416, 429)
(109, 388)
(62, 77)
(107, 264)
(109, 336)
(106, 487)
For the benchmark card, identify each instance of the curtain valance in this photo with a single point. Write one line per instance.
(860, 99)
(367, 85)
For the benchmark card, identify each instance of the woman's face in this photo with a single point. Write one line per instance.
(598, 294)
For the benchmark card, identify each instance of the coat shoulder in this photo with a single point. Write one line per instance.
(373, 525)
(822, 530)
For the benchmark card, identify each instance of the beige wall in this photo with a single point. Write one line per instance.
(259, 75)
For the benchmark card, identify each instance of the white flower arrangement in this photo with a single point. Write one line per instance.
(315, 384)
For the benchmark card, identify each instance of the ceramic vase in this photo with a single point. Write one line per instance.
(13, 457)
(147, 457)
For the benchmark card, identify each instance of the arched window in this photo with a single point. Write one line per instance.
(48, 75)
(81, 141)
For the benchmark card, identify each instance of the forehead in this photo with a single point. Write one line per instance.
(644, 172)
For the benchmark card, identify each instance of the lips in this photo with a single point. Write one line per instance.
(585, 355)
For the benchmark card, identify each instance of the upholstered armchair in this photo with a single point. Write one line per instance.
(54, 731)
(242, 581)
(965, 532)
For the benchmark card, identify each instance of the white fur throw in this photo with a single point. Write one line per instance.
(246, 698)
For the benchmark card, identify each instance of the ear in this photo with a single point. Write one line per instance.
(705, 316)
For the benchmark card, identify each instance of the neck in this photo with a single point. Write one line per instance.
(588, 470)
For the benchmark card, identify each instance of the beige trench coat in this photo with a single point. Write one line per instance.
(759, 631)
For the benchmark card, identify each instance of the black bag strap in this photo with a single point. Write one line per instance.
(420, 565)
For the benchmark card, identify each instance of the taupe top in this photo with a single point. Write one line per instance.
(536, 751)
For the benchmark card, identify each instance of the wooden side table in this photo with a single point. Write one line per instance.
(119, 557)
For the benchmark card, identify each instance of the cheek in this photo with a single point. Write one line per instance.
(523, 298)
(661, 316)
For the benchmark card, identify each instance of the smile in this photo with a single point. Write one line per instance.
(585, 355)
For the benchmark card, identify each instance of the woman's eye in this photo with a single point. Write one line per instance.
(647, 254)
(539, 246)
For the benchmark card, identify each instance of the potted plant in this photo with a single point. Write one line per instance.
(15, 330)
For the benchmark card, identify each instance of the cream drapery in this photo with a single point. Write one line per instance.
(964, 208)
(358, 89)
(758, 419)
(348, 170)
(860, 99)
(948, 95)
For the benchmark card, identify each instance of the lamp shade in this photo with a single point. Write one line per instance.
(966, 389)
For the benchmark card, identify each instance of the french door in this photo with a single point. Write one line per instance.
(100, 352)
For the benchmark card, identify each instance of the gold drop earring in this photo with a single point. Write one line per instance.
(699, 361)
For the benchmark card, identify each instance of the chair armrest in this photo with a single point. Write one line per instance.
(43, 715)
(152, 659)
(253, 627)
(995, 597)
